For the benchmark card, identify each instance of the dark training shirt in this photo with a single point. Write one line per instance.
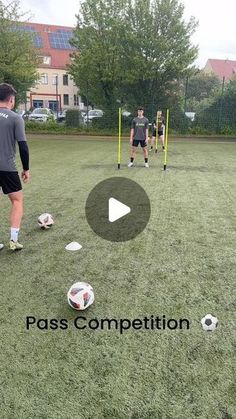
(161, 123)
(140, 125)
(12, 130)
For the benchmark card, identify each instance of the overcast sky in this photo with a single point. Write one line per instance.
(215, 36)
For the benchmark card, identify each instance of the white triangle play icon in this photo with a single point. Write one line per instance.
(116, 210)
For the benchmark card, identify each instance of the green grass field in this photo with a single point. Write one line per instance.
(183, 265)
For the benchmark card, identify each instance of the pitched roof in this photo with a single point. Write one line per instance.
(52, 41)
(222, 68)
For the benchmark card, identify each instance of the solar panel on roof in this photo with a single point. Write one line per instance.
(28, 28)
(38, 42)
(60, 39)
(64, 31)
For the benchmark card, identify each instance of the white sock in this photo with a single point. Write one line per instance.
(14, 234)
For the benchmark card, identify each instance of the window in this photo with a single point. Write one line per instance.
(55, 79)
(37, 103)
(52, 104)
(44, 78)
(65, 79)
(76, 100)
(66, 99)
(46, 60)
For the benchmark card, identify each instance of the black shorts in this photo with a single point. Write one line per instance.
(160, 132)
(10, 182)
(141, 142)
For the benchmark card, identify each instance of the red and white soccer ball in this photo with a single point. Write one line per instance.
(45, 221)
(80, 295)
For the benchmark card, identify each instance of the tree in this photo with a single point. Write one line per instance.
(18, 58)
(199, 87)
(219, 114)
(132, 50)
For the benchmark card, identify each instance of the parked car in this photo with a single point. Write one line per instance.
(42, 115)
(93, 113)
(24, 114)
(20, 112)
(126, 114)
(61, 116)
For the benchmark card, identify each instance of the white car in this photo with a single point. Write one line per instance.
(126, 114)
(42, 115)
(92, 114)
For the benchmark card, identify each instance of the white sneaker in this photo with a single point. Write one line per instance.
(146, 164)
(130, 164)
(1, 246)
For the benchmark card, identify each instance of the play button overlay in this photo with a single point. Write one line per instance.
(117, 209)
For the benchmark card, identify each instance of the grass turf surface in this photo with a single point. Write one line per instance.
(182, 265)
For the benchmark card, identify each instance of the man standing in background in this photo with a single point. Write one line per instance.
(139, 135)
(158, 127)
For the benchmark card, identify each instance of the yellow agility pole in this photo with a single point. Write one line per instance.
(119, 140)
(156, 131)
(166, 138)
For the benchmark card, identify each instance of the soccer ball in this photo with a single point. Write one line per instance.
(80, 296)
(45, 221)
(209, 323)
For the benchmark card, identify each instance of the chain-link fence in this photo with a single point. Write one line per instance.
(204, 105)
(217, 119)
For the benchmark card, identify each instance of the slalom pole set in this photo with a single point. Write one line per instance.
(166, 135)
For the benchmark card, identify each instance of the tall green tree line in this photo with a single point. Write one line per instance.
(132, 50)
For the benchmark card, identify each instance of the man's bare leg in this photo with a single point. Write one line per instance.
(16, 215)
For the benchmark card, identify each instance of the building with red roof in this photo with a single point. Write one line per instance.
(55, 88)
(221, 68)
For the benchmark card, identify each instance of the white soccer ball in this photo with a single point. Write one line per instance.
(45, 221)
(80, 295)
(209, 323)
